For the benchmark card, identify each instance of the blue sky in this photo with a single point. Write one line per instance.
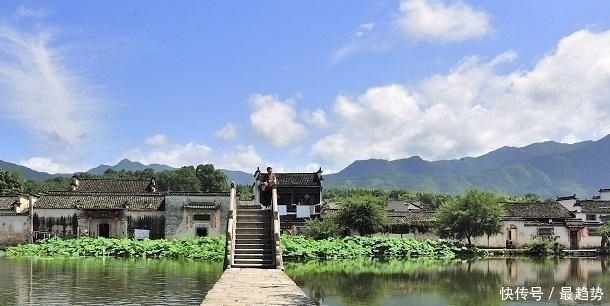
(296, 85)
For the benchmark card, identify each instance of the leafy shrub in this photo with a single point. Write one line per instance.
(200, 248)
(352, 247)
(543, 247)
(321, 228)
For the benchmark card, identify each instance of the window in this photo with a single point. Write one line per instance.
(545, 231)
(201, 217)
(201, 231)
(591, 217)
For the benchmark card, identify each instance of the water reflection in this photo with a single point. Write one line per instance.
(450, 283)
(38, 281)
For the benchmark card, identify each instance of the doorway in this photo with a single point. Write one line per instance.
(103, 230)
(511, 236)
(201, 232)
(574, 240)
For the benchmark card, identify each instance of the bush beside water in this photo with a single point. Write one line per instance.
(294, 248)
(199, 248)
(351, 247)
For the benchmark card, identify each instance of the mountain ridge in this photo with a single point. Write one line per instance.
(548, 169)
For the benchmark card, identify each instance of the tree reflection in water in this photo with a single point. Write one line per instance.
(432, 282)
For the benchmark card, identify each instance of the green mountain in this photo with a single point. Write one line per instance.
(26, 172)
(548, 169)
(128, 165)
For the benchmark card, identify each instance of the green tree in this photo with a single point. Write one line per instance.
(211, 180)
(364, 213)
(10, 182)
(183, 179)
(244, 192)
(57, 183)
(476, 213)
(322, 228)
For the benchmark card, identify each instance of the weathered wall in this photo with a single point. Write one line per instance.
(154, 221)
(14, 229)
(524, 235)
(179, 222)
(60, 222)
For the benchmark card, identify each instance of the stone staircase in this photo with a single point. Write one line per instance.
(253, 238)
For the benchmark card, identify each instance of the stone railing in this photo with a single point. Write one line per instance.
(231, 225)
(277, 246)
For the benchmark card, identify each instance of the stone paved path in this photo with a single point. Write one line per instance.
(254, 287)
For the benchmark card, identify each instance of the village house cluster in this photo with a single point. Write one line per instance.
(122, 208)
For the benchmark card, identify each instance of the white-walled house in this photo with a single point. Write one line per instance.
(15, 223)
(525, 222)
(117, 208)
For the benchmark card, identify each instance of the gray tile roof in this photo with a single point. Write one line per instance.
(594, 207)
(132, 202)
(294, 179)
(6, 202)
(403, 206)
(536, 211)
(112, 185)
(412, 216)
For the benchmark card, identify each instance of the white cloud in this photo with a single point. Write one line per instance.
(229, 131)
(362, 39)
(364, 28)
(244, 158)
(473, 109)
(434, 20)
(42, 91)
(157, 140)
(29, 12)
(316, 118)
(46, 164)
(163, 151)
(275, 120)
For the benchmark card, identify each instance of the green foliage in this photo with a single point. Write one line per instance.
(322, 228)
(476, 213)
(302, 248)
(183, 179)
(431, 200)
(210, 179)
(11, 183)
(199, 248)
(364, 213)
(543, 247)
(244, 192)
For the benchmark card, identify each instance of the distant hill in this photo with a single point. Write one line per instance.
(548, 169)
(128, 165)
(239, 177)
(26, 172)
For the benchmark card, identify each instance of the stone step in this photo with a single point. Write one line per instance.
(254, 218)
(252, 262)
(256, 236)
(253, 224)
(250, 241)
(257, 245)
(260, 250)
(253, 231)
(267, 255)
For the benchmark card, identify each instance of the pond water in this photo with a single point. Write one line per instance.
(485, 282)
(25, 281)
(35, 281)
